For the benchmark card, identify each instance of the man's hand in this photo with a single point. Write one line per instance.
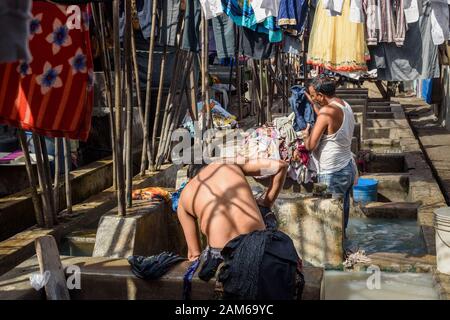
(306, 132)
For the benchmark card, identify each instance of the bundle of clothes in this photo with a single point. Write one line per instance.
(222, 119)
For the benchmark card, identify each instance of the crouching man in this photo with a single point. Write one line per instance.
(256, 262)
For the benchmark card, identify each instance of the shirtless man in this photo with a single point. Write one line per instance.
(220, 198)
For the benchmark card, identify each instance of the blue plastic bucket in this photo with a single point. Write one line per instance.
(366, 190)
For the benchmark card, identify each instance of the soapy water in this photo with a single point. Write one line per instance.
(339, 285)
(385, 235)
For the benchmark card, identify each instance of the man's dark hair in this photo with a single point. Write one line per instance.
(324, 85)
(194, 169)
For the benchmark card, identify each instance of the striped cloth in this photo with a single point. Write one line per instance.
(51, 94)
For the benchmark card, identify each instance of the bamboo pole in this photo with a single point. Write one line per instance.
(148, 96)
(129, 95)
(158, 108)
(106, 65)
(67, 168)
(57, 181)
(118, 108)
(238, 73)
(48, 215)
(136, 78)
(268, 93)
(47, 176)
(193, 90)
(31, 179)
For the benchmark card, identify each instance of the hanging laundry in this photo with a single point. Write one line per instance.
(242, 14)
(256, 45)
(385, 21)
(418, 58)
(357, 11)
(52, 93)
(333, 7)
(336, 43)
(440, 30)
(15, 18)
(293, 14)
(412, 11)
(192, 20)
(212, 8)
(170, 13)
(265, 8)
(224, 36)
(143, 9)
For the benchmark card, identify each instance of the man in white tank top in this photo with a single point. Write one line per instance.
(330, 140)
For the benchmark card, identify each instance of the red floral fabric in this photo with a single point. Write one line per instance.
(52, 94)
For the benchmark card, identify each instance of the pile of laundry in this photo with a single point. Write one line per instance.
(280, 141)
(222, 119)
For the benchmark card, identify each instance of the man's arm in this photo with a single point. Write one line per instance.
(262, 167)
(189, 225)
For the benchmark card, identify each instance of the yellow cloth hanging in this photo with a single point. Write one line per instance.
(336, 43)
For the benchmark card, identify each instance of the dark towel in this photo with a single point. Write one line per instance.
(153, 267)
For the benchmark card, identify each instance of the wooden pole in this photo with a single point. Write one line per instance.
(148, 97)
(57, 175)
(193, 89)
(158, 108)
(67, 168)
(106, 65)
(48, 215)
(48, 177)
(31, 179)
(269, 93)
(118, 108)
(136, 78)
(129, 95)
(238, 74)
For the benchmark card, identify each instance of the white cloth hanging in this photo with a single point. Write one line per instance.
(411, 10)
(265, 8)
(356, 11)
(334, 7)
(212, 8)
(439, 21)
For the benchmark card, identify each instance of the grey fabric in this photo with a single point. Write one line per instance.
(418, 58)
(170, 10)
(192, 20)
(291, 45)
(144, 9)
(224, 36)
(256, 45)
(15, 16)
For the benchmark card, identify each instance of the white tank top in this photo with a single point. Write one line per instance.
(335, 151)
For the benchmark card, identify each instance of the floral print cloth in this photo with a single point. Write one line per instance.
(52, 94)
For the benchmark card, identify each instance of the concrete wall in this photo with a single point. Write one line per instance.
(112, 279)
(315, 226)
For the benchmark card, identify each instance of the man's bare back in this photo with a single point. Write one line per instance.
(222, 201)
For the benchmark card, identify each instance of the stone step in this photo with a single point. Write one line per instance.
(391, 210)
(380, 115)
